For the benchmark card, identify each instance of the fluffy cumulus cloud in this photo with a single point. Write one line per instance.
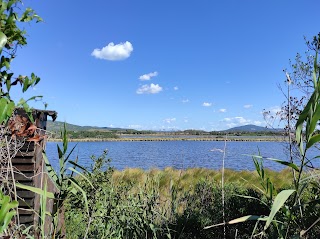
(206, 104)
(169, 120)
(273, 112)
(247, 106)
(185, 101)
(239, 121)
(148, 76)
(223, 110)
(114, 52)
(149, 89)
(176, 88)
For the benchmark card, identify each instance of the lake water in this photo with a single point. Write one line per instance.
(177, 154)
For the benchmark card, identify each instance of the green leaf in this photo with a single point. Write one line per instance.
(71, 151)
(37, 97)
(249, 197)
(82, 175)
(291, 165)
(6, 109)
(3, 6)
(279, 201)
(36, 190)
(26, 83)
(315, 119)
(78, 166)
(10, 3)
(7, 220)
(7, 64)
(7, 211)
(43, 208)
(315, 67)
(52, 173)
(25, 16)
(84, 195)
(314, 139)
(302, 117)
(64, 138)
(4, 207)
(3, 40)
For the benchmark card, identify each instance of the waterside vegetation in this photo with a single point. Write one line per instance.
(173, 203)
(99, 202)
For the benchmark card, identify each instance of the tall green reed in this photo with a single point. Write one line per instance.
(288, 216)
(65, 185)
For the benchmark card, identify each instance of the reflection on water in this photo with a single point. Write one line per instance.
(178, 154)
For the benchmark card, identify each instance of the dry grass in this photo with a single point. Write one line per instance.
(185, 180)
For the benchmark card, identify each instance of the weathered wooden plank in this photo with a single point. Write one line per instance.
(25, 194)
(25, 219)
(21, 177)
(22, 160)
(25, 211)
(28, 146)
(26, 203)
(25, 154)
(24, 167)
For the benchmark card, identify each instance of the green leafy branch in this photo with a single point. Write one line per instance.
(12, 37)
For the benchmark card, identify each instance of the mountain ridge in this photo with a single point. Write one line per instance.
(58, 125)
(252, 128)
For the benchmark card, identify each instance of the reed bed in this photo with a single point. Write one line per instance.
(187, 179)
(178, 203)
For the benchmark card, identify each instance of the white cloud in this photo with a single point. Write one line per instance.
(274, 109)
(176, 88)
(259, 123)
(206, 104)
(247, 106)
(149, 89)
(242, 120)
(113, 52)
(185, 101)
(167, 127)
(272, 112)
(148, 76)
(223, 110)
(135, 126)
(169, 120)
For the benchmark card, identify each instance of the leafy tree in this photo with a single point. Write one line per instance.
(12, 16)
(298, 86)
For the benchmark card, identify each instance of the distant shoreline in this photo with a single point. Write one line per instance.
(140, 139)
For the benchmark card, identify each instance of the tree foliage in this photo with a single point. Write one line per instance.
(298, 86)
(12, 36)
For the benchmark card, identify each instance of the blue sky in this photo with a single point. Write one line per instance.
(164, 65)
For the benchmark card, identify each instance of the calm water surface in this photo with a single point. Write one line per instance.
(177, 154)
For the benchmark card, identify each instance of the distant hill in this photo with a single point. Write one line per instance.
(252, 128)
(58, 125)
